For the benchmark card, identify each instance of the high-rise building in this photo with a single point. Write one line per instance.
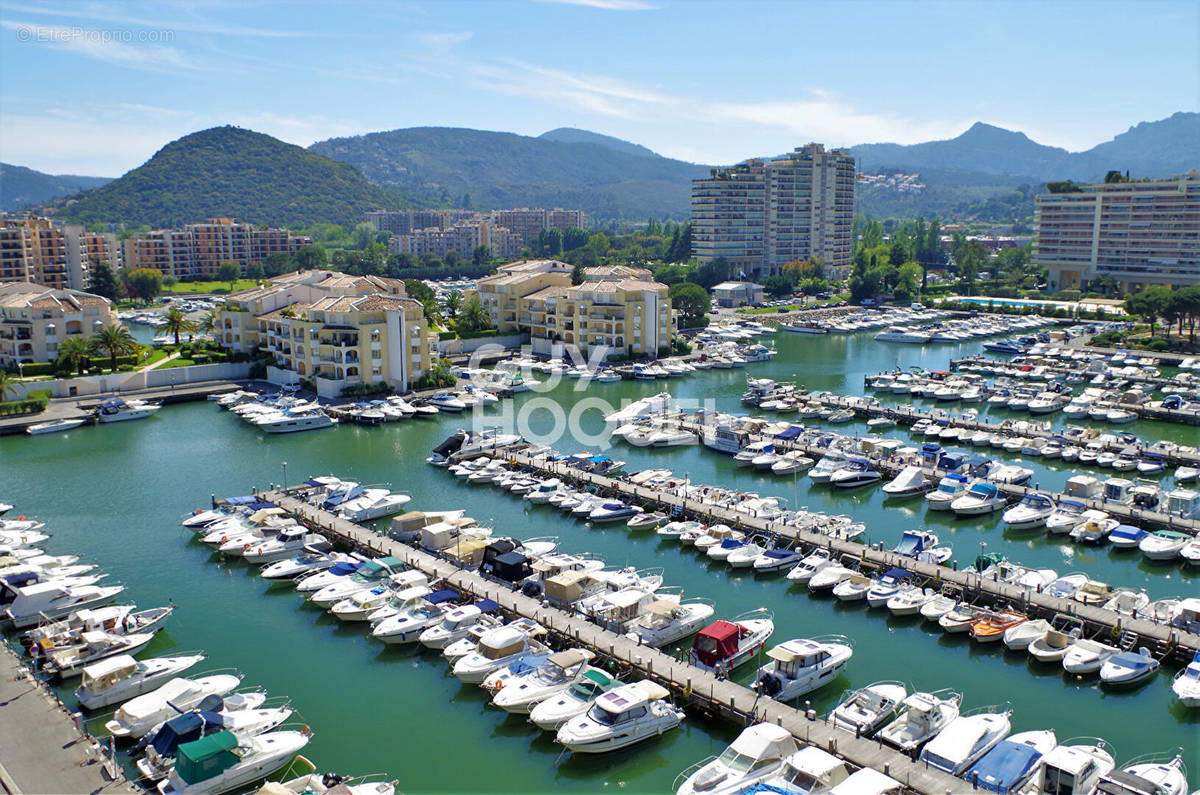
(462, 238)
(197, 250)
(1137, 233)
(55, 255)
(527, 223)
(763, 213)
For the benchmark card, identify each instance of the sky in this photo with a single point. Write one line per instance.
(96, 88)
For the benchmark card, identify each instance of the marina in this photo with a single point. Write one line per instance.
(194, 441)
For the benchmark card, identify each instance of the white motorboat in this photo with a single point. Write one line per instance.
(223, 762)
(1094, 527)
(938, 606)
(802, 665)
(823, 470)
(122, 677)
(54, 426)
(665, 621)
(619, 718)
(113, 619)
(397, 594)
(315, 580)
(50, 600)
(1053, 646)
(807, 568)
(520, 694)
(949, 489)
(967, 738)
(369, 575)
(851, 589)
(864, 710)
(645, 521)
(775, 560)
(372, 504)
(1128, 667)
(889, 584)
(1031, 512)
(288, 542)
(312, 560)
(142, 713)
(855, 473)
(1159, 774)
(1163, 545)
(612, 511)
(756, 755)
(1012, 761)
(458, 624)
(1186, 684)
(1019, 636)
(162, 744)
(118, 410)
(1127, 602)
(1087, 656)
(982, 497)
(910, 482)
(922, 715)
(724, 645)
(1070, 770)
(409, 613)
(496, 649)
(830, 577)
(791, 462)
(89, 647)
(1066, 586)
(552, 712)
(909, 601)
(308, 419)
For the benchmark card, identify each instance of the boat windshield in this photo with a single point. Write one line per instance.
(736, 762)
(802, 780)
(948, 488)
(1058, 782)
(602, 716)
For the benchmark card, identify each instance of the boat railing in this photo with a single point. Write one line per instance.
(756, 614)
(1157, 758)
(1099, 742)
(689, 771)
(1004, 707)
(844, 640)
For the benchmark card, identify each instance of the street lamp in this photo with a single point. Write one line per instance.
(284, 465)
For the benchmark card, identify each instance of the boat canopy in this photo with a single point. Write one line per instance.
(570, 657)
(487, 606)
(344, 568)
(1127, 532)
(951, 461)
(510, 566)
(207, 757)
(247, 500)
(185, 728)
(780, 554)
(716, 642)
(1003, 767)
(662, 608)
(897, 574)
(111, 669)
(441, 597)
(764, 741)
(790, 433)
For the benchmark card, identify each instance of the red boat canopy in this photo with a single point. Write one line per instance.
(717, 642)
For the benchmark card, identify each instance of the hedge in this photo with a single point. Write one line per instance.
(485, 332)
(34, 404)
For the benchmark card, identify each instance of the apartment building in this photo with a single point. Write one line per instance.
(1138, 233)
(332, 329)
(55, 255)
(35, 318)
(461, 238)
(402, 222)
(763, 213)
(527, 223)
(197, 250)
(501, 293)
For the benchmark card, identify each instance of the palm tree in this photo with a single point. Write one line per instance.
(114, 340)
(8, 383)
(454, 300)
(473, 316)
(176, 322)
(73, 354)
(208, 323)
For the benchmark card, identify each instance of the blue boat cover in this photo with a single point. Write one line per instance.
(526, 663)
(897, 574)
(731, 543)
(790, 432)
(343, 568)
(240, 500)
(780, 554)
(1003, 767)
(1128, 531)
(487, 606)
(951, 460)
(931, 447)
(438, 597)
(184, 729)
(910, 544)
(258, 506)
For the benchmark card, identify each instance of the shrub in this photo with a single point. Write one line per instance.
(258, 370)
(1156, 345)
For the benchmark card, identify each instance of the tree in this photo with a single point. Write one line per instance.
(170, 281)
(113, 341)
(450, 258)
(692, 302)
(454, 300)
(577, 273)
(145, 283)
(311, 257)
(473, 317)
(208, 323)
(778, 285)
(711, 273)
(363, 235)
(1148, 304)
(229, 271)
(897, 254)
(8, 384)
(550, 242)
(907, 282)
(573, 237)
(176, 322)
(104, 281)
(482, 255)
(418, 290)
(255, 271)
(74, 354)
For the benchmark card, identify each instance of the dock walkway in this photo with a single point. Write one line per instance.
(41, 750)
(691, 686)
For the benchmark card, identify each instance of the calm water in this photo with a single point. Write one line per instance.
(114, 495)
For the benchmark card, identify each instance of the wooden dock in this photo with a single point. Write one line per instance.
(696, 689)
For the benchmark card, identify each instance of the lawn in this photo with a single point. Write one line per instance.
(209, 288)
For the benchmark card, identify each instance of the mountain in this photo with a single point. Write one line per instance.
(21, 187)
(495, 169)
(231, 172)
(1150, 149)
(574, 135)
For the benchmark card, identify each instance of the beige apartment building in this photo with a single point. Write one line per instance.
(197, 250)
(55, 255)
(332, 329)
(35, 318)
(763, 213)
(527, 222)
(1138, 233)
(462, 238)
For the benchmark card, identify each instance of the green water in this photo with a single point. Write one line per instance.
(115, 494)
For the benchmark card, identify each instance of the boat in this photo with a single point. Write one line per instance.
(558, 672)
(864, 710)
(54, 426)
(1070, 769)
(802, 665)
(1087, 656)
(68, 661)
(823, 470)
(1186, 684)
(1152, 774)
(1053, 646)
(551, 713)
(921, 716)
(162, 744)
(1066, 516)
(908, 483)
(118, 410)
(967, 738)
(113, 619)
(1011, 762)
(222, 762)
(756, 755)
(1020, 635)
(991, 627)
(139, 715)
(642, 520)
(808, 566)
(1031, 512)
(313, 783)
(459, 622)
(612, 511)
(960, 619)
(619, 718)
(1125, 536)
(868, 781)
(121, 678)
(287, 543)
(775, 560)
(308, 419)
(50, 600)
(938, 606)
(922, 545)
(949, 488)
(724, 645)
(496, 649)
(1128, 667)
(980, 498)
(902, 334)
(1164, 545)
(404, 618)
(1094, 527)
(830, 577)
(890, 584)
(853, 588)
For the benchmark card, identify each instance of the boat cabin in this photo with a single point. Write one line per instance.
(207, 757)
(1068, 770)
(811, 769)
(1184, 503)
(508, 566)
(793, 658)
(1187, 615)
(718, 642)
(1119, 490)
(185, 728)
(100, 676)
(1084, 486)
(569, 587)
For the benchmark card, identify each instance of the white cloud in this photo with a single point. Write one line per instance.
(598, 94)
(100, 45)
(111, 14)
(607, 5)
(443, 40)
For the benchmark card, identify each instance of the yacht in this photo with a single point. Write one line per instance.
(921, 716)
(49, 600)
(620, 718)
(222, 762)
(1164, 545)
(395, 596)
(283, 546)
(121, 678)
(118, 410)
(1031, 512)
(902, 334)
(967, 738)
(830, 577)
(831, 462)
(552, 712)
(54, 426)
(288, 422)
(91, 646)
(404, 618)
(666, 621)
(802, 665)
(496, 649)
(949, 489)
(1066, 517)
(1128, 667)
(1012, 762)
(982, 497)
(807, 568)
(459, 622)
(162, 744)
(1157, 774)
(1094, 526)
(139, 715)
(1070, 770)
(756, 755)
(775, 560)
(855, 473)
(1186, 684)
(864, 710)
(373, 504)
(556, 674)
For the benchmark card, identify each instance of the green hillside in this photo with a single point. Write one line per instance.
(231, 172)
(22, 187)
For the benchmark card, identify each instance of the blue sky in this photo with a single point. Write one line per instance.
(98, 87)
